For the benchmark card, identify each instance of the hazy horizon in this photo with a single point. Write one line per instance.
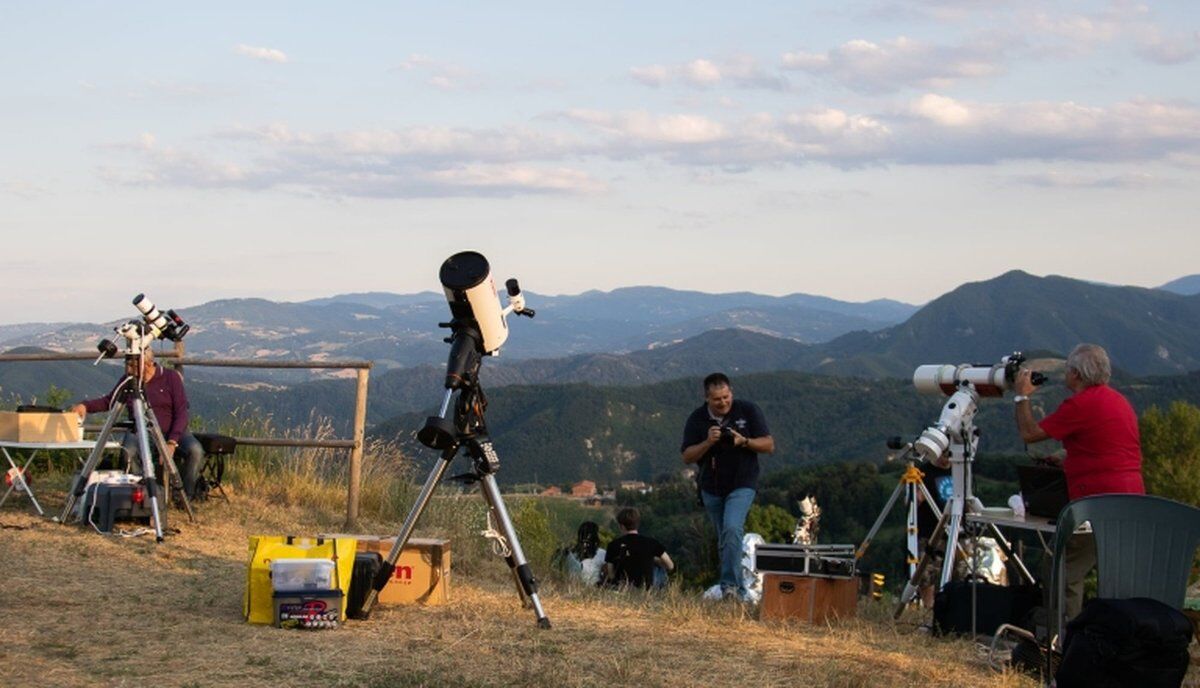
(119, 315)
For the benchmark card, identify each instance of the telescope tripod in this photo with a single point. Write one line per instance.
(911, 485)
(145, 428)
(952, 522)
(467, 432)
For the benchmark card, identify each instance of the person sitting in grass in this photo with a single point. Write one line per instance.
(634, 559)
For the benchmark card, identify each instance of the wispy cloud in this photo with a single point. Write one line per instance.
(260, 53)
(1059, 179)
(441, 75)
(892, 65)
(552, 157)
(738, 72)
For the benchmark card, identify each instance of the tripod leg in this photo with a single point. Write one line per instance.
(176, 481)
(887, 509)
(910, 588)
(93, 460)
(139, 424)
(389, 564)
(526, 583)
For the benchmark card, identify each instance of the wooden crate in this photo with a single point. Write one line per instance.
(808, 599)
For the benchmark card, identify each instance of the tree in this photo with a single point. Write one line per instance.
(1171, 452)
(772, 522)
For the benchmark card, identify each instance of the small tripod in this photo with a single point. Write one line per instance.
(467, 429)
(145, 426)
(911, 486)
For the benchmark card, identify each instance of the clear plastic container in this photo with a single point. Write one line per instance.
(294, 575)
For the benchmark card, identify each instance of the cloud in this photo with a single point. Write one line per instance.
(441, 75)
(740, 71)
(1057, 179)
(889, 66)
(418, 162)
(264, 54)
(944, 130)
(23, 189)
(1168, 50)
(552, 155)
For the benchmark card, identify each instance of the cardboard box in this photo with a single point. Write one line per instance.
(422, 574)
(808, 599)
(40, 427)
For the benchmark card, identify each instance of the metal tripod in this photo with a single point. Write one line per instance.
(145, 427)
(911, 485)
(469, 431)
(950, 524)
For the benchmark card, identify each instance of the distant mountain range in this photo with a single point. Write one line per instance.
(606, 415)
(399, 330)
(1184, 285)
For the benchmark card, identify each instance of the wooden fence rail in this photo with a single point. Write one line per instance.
(178, 360)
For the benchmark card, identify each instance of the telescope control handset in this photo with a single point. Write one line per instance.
(139, 334)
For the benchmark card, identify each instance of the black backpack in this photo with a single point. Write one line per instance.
(1134, 642)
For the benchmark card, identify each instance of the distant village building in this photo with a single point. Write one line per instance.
(552, 491)
(635, 486)
(583, 488)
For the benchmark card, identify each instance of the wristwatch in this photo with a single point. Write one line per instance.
(1019, 398)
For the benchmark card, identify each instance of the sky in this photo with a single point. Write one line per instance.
(853, 149)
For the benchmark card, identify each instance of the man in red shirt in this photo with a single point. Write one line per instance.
(1099, 430)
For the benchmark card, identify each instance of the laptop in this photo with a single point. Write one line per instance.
(1044, 489)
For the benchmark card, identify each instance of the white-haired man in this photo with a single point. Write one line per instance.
(1099, 430)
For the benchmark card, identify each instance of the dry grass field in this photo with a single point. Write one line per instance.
(78, 608)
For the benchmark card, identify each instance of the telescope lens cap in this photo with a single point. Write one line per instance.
(462, 271)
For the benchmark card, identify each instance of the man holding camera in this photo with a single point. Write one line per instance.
(165, 396)
(1099, 430)
(724, 438)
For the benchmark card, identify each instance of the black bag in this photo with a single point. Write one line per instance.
(362, 579)
(995, 605)
(1135, 642)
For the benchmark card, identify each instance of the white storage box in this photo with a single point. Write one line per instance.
(303, 575)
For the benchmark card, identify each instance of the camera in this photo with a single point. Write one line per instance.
(726, 435)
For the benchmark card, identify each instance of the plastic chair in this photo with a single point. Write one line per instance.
(1144, 548)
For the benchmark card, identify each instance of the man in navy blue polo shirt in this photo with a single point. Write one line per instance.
(724, 438)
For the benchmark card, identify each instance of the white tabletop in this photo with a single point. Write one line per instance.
(85, 444)
(1028, 522)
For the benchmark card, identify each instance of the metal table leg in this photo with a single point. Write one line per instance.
(19, 483)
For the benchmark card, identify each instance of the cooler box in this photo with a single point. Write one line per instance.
(40, 426)
(105, 503)
(422, 573)
(809, 599)
(305, 594)
(259, 605)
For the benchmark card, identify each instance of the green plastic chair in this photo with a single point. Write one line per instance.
(1144, 548)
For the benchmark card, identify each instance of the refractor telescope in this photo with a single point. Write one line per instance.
(988, 380)
(964, 384)
(138, 334)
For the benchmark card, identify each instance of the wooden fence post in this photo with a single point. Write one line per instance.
(356, 454)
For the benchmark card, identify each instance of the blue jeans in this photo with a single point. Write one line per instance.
(189, 457)
(728, 515)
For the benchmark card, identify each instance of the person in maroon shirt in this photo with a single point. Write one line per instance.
(165, 396)
(1099, 431)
